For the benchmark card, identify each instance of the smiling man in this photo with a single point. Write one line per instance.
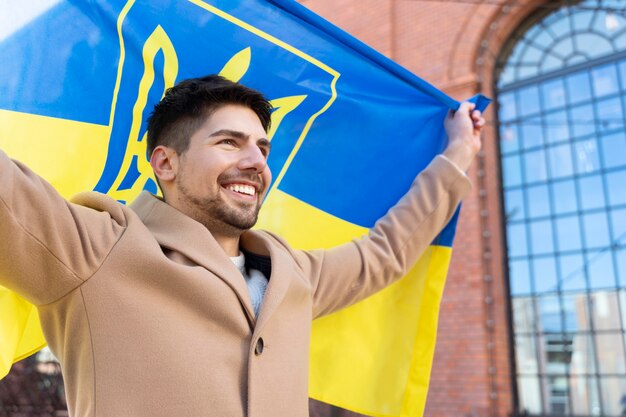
(173, 306)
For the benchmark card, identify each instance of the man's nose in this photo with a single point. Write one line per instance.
(253, 158)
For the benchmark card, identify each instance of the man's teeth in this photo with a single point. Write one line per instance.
(243, 189)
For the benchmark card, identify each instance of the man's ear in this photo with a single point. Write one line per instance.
(164, 162)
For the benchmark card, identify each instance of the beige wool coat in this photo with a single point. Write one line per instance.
(149, 317)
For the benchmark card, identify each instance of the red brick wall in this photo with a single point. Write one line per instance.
(453, 45)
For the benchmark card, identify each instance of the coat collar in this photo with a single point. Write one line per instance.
(178, 232)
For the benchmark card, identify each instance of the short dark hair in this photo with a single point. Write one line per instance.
(186, 106)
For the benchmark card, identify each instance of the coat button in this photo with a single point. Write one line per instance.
(258, 349)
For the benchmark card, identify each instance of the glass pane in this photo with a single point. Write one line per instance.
(618, 224)
(509, 138)
(516, 239)
(578, 87)
(610, 116)
(564, 197)
(613, 395)
(535, 166)
(514, 204)
(600, 270)
(565, 47)
(593, 44)
(519, 276)
(538, 201)
(506, 103)
(614, 150)
(592, 192)
(616, 182)
(583, 359)
(587, 158)
(553, 94)
(528, 100)
(511, 170)
(558, 402)
(622, 72)
(532, 132)
(605, 310)
(610, 348)
(560, 159)
(549, 315)
(604, 80)
(529, 394)
(526, 354)
(581, 19)
(596, 230)
(541, 237)
(523, 315)
(568, 233)
(585, 395)
(545, 276)
(582, 121)
(572, 272)
(556, 352)
(575, 312)
(620, 257)
(557, 127)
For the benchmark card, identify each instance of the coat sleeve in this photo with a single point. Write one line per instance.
(348, 273)
(48, 246)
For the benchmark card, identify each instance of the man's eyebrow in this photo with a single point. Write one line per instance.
(227, 132)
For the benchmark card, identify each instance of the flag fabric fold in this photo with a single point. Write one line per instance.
(350, 131)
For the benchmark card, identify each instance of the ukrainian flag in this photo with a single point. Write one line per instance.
(350, 131)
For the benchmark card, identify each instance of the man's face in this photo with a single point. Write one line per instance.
(223, 175)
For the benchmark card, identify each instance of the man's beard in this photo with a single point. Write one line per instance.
(220, 216)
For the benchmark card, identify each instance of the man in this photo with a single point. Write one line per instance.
(173, 307)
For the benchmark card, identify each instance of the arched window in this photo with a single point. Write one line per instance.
(561, 85)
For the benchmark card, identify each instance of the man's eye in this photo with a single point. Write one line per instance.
(228, 142)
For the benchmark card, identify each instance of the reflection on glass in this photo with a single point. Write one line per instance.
(572, 272)
(620, 257)
(557, 127)
(587, 159)
(549, 314)
(582, 120)
(614, 150)
(530, 394)
(528, 101)
(526, 354)
(514, 204)
(560, 159)
(578, 87)
(584, 395)
(532, 132)
(538, 200)
(519, 276)
(610, 115)
(564, 193)
(591, 192)
(506, 103)
(583, 360)
(509, 139)
(511, 170)
(558, 399)
(523, 314)
(622, 72)
(615, 182)
(516, 238)
(610, 348)
(613, 396)
(544, 273)
(575, 312)
(604, 80)
(553, 94)
(600, 268)
(605, 310)
(596, 230)
(541, 237)
(535, 166)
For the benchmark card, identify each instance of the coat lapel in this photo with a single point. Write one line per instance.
(180, 233)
